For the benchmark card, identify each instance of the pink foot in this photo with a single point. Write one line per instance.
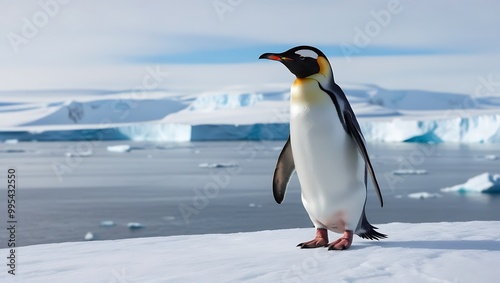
(321, 240)
(342, 243)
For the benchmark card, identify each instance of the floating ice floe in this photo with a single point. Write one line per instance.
(409, 172)
(423, 195)
(483, 183)
(119, 148)
(254, 205)
(124, 148)
(12, 150)
(107, 223)
(134, 225)
(10, 141)
(80, 154)
(168, 218)
(491, 157)
(218, 165)
(89, 236)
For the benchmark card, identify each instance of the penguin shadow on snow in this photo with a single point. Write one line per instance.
(478, 245)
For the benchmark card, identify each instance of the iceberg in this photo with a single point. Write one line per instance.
(248, 114)
(483, 183)
(89, 236)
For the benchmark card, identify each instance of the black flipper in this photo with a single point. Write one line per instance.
(284, 170)
(367, 231)
(355, 131)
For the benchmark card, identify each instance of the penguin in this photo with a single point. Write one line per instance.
(327, 150)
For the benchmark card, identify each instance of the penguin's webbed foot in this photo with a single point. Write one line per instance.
(342, 243)
(321, 240)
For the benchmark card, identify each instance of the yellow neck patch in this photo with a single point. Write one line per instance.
(325, 71)
(307, 91)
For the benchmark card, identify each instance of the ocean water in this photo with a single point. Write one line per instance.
(66, 189)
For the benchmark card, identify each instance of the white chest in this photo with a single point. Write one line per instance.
(327, 161)
(313, 117)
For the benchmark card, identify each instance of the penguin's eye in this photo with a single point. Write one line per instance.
(302, 58)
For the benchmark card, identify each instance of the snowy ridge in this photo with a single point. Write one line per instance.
(245, 113)
(425, 252)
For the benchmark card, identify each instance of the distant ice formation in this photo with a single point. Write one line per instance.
(384, 116)
(483, 183)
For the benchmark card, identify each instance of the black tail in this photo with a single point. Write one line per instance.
(367, 231)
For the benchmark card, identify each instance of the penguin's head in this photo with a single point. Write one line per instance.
(302, 61)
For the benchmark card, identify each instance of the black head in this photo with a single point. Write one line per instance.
(301, 60)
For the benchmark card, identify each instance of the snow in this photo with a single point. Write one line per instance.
(244, 113)
(426, 252)
(424, 195)
(483, 183)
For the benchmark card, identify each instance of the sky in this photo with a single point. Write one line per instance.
(211, 44)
